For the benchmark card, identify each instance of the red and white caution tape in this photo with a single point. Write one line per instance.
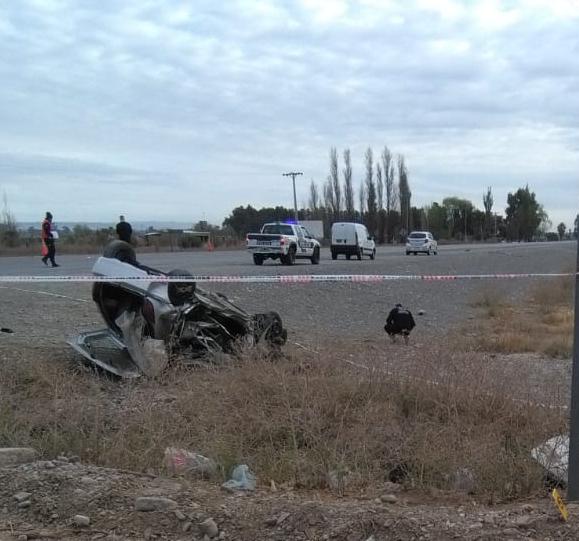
(283, 279)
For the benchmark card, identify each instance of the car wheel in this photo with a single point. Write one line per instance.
(121, 250)
(258, 259)
(334, 255)
(348, 257)
(428, 251)
(373, 254)
(290, 258)
(415, 253)
(316, 257)
(407, 253)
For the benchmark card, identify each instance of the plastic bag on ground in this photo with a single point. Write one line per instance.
(553, 455)
(242, 478)
(182, 462)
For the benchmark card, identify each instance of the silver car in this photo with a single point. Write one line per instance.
(421, 242)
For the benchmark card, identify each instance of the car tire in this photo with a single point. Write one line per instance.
(258, 259)
(121, 250)
(415, 253)
(316, 257)
(348, 257)
(290, 258)
(407, 253)
(373, 254)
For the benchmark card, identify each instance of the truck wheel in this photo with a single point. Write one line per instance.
(359, 254)
(291, 255)
(316, 257)
(258, 259)
(334, 255)
(373, 254)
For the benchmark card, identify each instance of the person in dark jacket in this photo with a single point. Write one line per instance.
(48, 240)
(124, 230)
(399, 321)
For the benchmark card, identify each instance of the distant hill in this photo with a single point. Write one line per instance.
(137, 226)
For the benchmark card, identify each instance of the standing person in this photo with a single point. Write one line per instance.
(124, 230)
(48, 240)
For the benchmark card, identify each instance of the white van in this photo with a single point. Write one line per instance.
(352, 239)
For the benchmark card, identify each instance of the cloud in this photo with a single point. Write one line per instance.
(204, 105)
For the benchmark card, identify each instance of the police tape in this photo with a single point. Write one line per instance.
(282, 278)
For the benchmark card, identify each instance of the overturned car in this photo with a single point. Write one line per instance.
(152, 322)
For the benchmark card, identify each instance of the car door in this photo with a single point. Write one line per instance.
(304, 244)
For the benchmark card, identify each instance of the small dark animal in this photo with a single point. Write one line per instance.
(4, 329)
(399, 321)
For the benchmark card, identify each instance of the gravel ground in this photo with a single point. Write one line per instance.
(66, 500)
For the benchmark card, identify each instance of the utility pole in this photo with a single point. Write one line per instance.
(573, 464)
(294, 174)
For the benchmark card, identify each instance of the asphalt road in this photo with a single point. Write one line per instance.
(310, 311)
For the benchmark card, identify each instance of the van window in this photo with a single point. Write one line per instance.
(417, 236)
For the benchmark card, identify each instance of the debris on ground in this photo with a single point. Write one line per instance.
(553, 455)
(183, 462)
(242, 478)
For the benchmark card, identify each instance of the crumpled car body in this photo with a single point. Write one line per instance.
(152, 323)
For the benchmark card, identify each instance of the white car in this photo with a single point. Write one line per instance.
(352, 239)
(421, 242)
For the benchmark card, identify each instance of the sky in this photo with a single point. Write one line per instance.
(182, 111)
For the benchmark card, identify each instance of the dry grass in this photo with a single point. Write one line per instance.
(295, 420)
(541, 323)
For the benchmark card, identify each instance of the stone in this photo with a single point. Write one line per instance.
(13, 456)
(528, 508)
(524, 522)
(180, 515)
(282, 517)
(24, 505)
(391, 487)
(154, 503)
(22, 496)
(22, 537)
(209, 528)
(82, 521)
(388, 498)
(186, 526)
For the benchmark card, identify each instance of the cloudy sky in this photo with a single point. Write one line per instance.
(180, 110)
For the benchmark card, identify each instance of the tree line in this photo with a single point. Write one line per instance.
(382, 200)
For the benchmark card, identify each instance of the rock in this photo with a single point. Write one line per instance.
(74, 459)
(388, 498)
(22, 537)
(24, 505)
(186, 526)
(338, 479)
(272, 486)
(209, 528)
(242, 478)
(180, 515)
(524, 522)
(221, 535)
(154, 503)
(82, 521)
(147, 534)
(510, 533)
(22, 496)
(13, 456)
(528, 508)
(421, 312)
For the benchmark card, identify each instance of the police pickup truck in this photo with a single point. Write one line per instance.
(286, 242)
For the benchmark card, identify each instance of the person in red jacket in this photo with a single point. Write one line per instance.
(48, 240)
